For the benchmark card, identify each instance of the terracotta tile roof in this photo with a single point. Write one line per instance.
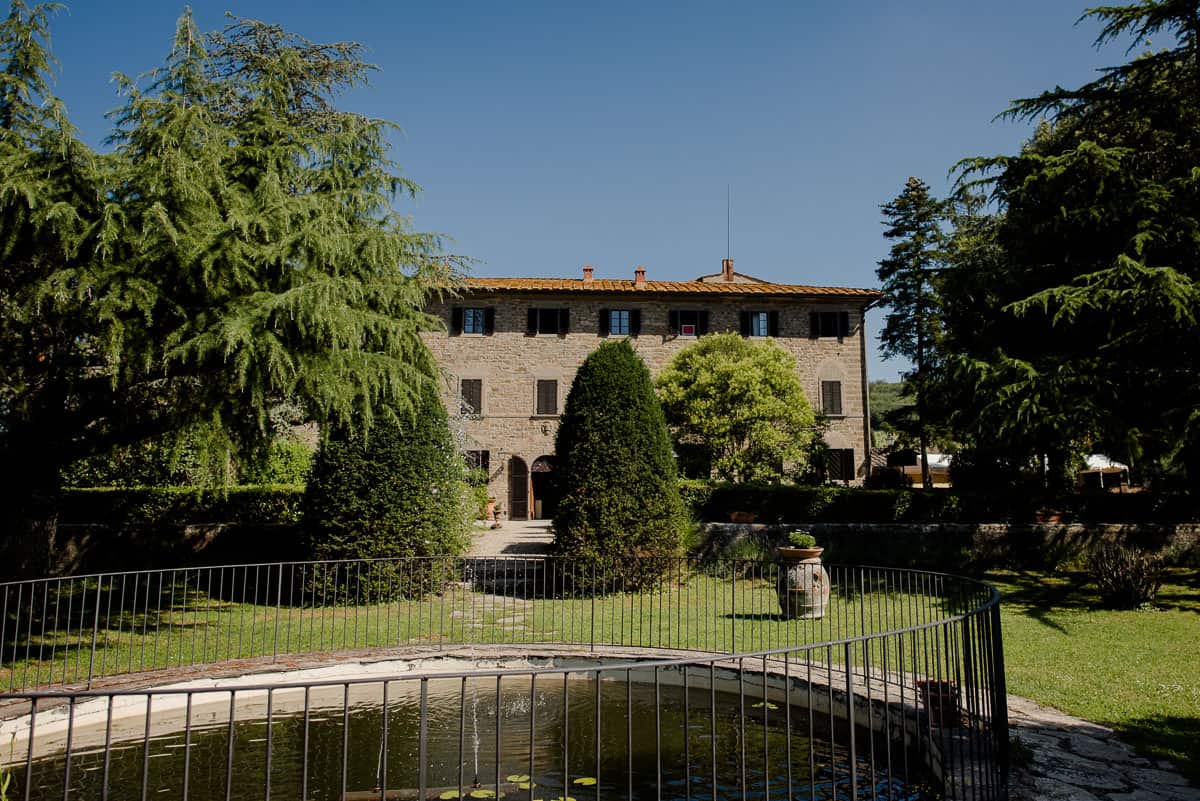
(663, 287)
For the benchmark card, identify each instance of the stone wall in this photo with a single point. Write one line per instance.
(510, 362)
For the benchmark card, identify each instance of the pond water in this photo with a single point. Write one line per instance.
(704, 745)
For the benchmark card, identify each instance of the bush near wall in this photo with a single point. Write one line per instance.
(142, 528)
(776, 503)
(270, 504)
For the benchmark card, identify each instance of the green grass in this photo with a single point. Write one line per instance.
(1137, 671)
(698, 611)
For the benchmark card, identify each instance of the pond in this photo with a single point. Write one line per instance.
(577, 738)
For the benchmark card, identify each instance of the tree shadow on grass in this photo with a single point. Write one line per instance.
(1038, 594)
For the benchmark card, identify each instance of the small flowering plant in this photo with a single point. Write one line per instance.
(802, 539)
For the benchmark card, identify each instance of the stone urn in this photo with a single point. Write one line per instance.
(803, 585)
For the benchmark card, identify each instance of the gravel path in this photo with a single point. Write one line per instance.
(513, 538)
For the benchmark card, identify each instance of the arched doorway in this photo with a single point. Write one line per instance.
(518, 489)
(545, 488)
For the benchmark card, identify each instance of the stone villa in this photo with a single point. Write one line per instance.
(512, 345)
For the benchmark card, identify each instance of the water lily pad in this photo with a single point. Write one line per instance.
(561, 798)
(449, 794)
(762, 704)
(527, 786)
(519, 777)
(585, 781)
(483, 794)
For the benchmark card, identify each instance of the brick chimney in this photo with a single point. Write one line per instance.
(727, 270)
(639, 276)
(587, 273)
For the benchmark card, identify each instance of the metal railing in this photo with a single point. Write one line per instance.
(897, 691)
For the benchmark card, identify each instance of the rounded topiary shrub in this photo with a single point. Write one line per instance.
(620, 514)
(397, 495)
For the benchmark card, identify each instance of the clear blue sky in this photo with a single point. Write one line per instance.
(552, 135)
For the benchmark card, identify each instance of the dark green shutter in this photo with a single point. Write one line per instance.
(635, 322)
(744, 321)
(814, 325)
(702, 322)
(843, 324)
(531, 323)
(564, 321)
(673, 323)
(604, 322)
(773, 324)
(489, 320)
(456, 320)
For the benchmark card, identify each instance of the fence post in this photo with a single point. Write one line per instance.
(850, 721)
(95, 631)
(999, 700)
(733, 607)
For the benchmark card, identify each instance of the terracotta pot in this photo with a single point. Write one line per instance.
(489, 513)
(941, 701)
(803, 586)
(790, 553)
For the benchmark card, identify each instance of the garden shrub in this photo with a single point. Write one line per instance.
(1126, 577)
(398, 492)
(287, 461)
(177, 506)
(791, 503)
(620, 508)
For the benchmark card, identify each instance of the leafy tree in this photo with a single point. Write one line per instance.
(1077, 301)
(236, 249)
(616, 474)
(912, 327)
(399, 492)
(742, 401)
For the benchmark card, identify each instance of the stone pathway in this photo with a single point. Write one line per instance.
(1069, 759)
(513, 538)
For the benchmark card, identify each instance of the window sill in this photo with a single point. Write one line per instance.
(536, 416)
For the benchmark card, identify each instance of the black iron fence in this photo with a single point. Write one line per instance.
(706, 684)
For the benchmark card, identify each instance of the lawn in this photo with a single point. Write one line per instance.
(182, 627)
(1137, 671)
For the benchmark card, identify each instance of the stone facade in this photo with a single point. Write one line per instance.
(509, 361)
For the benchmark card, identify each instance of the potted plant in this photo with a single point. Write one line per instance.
(801, 545)
(803, 585)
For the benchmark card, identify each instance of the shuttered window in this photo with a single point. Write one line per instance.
(472, 320)
(620, 322)
(841, 464)
(759, 323)
(548, 321)
(547, 397)
(831, 398)
(470, 393)
(829, 324)
(688, 323)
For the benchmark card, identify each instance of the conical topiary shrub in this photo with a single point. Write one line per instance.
(399, 492)
(620, 513)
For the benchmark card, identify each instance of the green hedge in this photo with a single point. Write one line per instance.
(119, 506)
(784, 503)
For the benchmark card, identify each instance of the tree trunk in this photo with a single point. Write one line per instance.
(29, 512)
(926, 476)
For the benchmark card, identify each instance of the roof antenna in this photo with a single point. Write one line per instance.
(729, 221)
